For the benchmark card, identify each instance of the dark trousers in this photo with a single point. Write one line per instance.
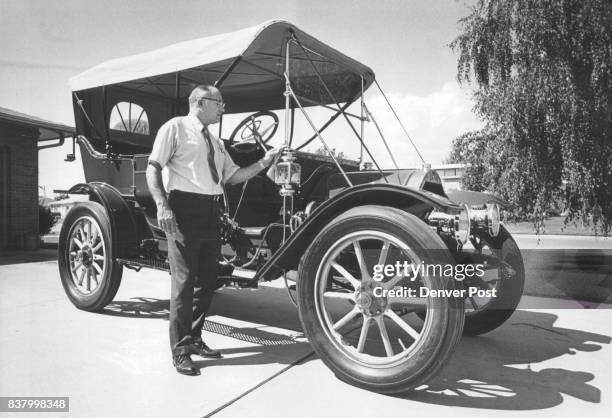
(193, 265)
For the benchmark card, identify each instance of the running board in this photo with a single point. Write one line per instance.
(243, 277)
(239, 276)
(138, 263)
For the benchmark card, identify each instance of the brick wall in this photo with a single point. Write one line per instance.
(22, 187)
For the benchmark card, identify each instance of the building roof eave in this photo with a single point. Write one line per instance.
(48, 130)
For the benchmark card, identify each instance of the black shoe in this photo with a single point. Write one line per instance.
(184, 365)
(200, 348)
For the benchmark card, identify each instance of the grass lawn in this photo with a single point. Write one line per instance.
(552, 226)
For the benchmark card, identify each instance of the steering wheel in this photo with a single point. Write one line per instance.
(253, 132)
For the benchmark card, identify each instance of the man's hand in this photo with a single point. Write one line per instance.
(246, 173)
(166, 220)
(270, 156)
(165, 216)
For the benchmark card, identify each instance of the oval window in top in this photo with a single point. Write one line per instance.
(129, 117)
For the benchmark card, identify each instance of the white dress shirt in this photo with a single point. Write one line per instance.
(182, 151)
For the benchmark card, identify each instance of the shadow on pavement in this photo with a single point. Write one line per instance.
(264, 307)
(262, 355)
(139, 307)
(575, 274)
(20, 257)
(500, 370)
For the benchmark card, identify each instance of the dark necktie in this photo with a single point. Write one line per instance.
(211, 157)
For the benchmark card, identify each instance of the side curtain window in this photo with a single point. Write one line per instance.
(129, 117)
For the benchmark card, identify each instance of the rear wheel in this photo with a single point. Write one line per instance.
(369, 340)
(89, 274)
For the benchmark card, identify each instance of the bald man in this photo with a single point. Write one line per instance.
(189, 213)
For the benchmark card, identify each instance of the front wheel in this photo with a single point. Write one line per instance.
(369, 340)
(89, 274)
(506, 276)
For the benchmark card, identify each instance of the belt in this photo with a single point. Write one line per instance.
(198, 196)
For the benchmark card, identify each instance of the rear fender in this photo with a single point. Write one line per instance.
(120, 213)
(419, 203)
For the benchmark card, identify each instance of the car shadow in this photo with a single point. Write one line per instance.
(265, 347)
(264, 308)
(499, 370)
(265, 305)
(139, 307)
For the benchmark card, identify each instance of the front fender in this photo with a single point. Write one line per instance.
(417, 202)
(123, 224)
(476, 198)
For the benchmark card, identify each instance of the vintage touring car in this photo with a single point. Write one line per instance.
(322, 221)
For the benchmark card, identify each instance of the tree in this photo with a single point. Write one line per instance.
(131, 126)
(470, 148)
(322, 151)
(542, 77)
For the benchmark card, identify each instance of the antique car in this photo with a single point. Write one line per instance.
(331, 225)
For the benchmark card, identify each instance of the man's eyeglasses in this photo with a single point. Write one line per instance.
(221, 103)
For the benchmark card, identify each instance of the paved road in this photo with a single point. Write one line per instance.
(574, 267)
(544, 362)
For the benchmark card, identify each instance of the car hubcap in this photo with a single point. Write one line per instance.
(349, 301)
(367, 302)
(87, 255)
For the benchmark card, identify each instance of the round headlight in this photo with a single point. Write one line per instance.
(463, 225)
(493, 219)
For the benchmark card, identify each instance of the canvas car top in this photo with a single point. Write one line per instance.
(255, 82)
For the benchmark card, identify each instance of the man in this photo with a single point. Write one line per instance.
(198, 166)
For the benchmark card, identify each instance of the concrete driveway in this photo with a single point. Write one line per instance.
(541, 362)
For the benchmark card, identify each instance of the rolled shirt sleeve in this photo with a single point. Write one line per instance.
(165, 144)
(229, 166)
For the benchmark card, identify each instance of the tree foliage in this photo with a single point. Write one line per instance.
(139, 126)
(542, 77)
(322, 151)
(46, 220)
(470, 148)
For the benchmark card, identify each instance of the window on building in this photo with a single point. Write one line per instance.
(129, 117)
